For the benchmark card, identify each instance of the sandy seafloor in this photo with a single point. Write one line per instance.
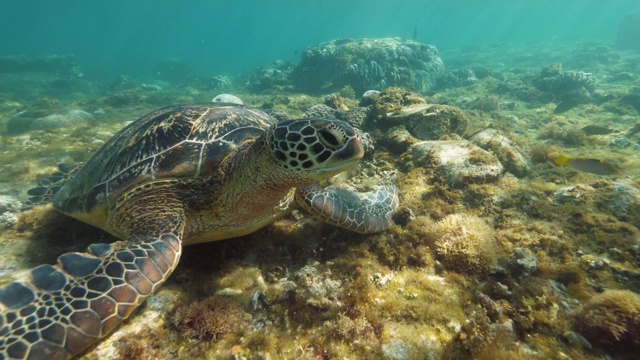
(564, 270)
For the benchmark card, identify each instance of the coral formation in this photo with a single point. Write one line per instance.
(559, 82)
(367, 64)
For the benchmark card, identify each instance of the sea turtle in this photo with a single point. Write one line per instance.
(178, 176)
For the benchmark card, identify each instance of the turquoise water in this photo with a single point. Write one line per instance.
(235, 36)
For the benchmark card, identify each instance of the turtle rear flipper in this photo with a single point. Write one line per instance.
(58, 311)
(366, 213)
(45, 190)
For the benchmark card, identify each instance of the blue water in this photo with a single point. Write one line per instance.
(235, 36)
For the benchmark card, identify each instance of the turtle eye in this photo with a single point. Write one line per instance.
(330, 137)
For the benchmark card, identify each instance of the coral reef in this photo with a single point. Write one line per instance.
(367, 64)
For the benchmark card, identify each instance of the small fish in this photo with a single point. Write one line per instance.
(593, 166)
(326, 85)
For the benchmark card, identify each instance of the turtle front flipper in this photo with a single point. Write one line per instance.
(58, 311)
(45, 190)
(365, 213)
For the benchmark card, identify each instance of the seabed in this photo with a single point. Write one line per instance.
(542, 265)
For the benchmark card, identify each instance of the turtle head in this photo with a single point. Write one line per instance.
(317, 148)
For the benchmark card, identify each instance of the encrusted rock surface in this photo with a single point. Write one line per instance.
(457, 162)
(509, 154)
(432, 121)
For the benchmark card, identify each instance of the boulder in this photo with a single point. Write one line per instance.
(430, 121)
(458, 162)
(30, 120)
(509, 154)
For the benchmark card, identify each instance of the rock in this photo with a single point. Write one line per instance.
(30, 120)
(620, 142)
(393, 99)
(629, 32)
(457, 162)
(430, 122)
(227, 99)
(576, 194)
(622, 201)
(318, 288)
(522, 262)
(398, 139)
(396, 349)
(9, 209)
(510, 155)
(336, 101)
(368, 64)
(369, 97)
